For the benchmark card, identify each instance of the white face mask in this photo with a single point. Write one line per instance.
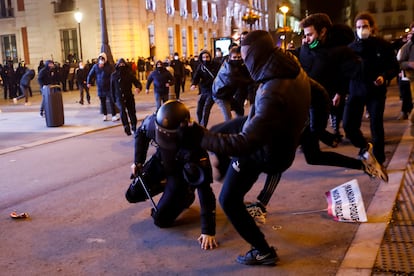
(176, 57)
(363, 33)
(101, 61)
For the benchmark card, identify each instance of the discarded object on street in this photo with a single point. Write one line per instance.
(15, 215)
(345, 203)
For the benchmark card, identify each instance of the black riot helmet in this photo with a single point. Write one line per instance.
(169, 118)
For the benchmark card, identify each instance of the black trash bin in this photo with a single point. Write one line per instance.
(53, 105)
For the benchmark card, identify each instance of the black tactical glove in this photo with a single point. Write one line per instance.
(190, 136)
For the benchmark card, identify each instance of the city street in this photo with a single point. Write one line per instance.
(71, 180)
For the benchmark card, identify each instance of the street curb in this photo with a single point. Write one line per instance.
(362, 252)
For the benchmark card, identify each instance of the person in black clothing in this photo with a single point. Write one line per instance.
(269, 138)
(9, 81)
(25, 86)
(47, 76)
(369, 89)
(204, 77)
(185, 170)
(162, 79)
(179, 74)
(325, 58)
(230, 87)
(81, 76)
(121, 88)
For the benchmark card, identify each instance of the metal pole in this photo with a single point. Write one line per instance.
(104, 32)
(80, 41)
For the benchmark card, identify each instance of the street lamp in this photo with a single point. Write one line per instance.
(284, 10)
(250, 18)
(78, 18)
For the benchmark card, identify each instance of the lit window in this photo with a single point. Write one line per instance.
(150, 5)
(170, 7)
(183, 8)
(205, 10)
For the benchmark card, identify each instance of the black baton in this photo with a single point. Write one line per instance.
(147, 193)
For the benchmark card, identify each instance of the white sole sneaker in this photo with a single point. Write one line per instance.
(371, 165)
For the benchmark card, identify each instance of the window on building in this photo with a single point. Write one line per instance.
(150, 5)
(183, 8)
(401, 5)
(170, 40)
(151, 37)
(151, 33)
(388, 6)
(196, 49)
(64, 5)
(214, 12)
(9, 48)
(184, 42)
(388, 20)
(372, 8)
(401, 20)
(194, 8)
(6, 9)
(170, 7)
(204, 5)
(69, 43)
(205, 38)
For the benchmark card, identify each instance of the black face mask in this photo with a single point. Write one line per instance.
(159, 68)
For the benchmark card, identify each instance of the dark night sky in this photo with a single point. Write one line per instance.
(331, 7)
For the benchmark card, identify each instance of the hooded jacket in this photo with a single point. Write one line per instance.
(160, 77)
(103, 77)
(27, 77)
(46, 75)
(122, 80)
(205, 73)
(273, 127)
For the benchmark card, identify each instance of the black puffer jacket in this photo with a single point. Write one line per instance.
(230, 78)
(272, 130)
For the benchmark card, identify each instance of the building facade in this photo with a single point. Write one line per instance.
(393, 16)
(34, 30)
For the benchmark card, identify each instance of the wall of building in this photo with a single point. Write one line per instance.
(127, 25)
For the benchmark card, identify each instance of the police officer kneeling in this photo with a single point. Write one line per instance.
(185, 170)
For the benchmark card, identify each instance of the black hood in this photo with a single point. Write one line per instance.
(271, 65)
(265, 61)
(204, 52)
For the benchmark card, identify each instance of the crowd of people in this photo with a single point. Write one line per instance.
(335, 76)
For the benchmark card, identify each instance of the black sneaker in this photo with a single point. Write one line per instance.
(255, 257)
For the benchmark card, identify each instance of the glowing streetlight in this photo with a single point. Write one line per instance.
(78, 17)
(284, 10)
